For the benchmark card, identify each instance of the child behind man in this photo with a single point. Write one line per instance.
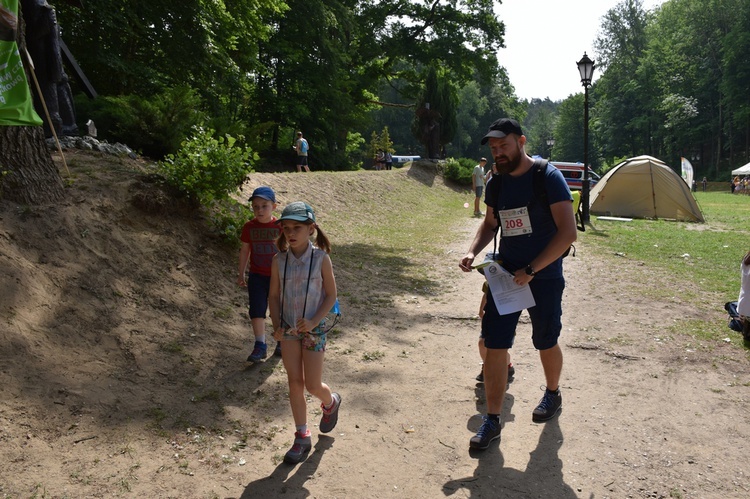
(259, 247)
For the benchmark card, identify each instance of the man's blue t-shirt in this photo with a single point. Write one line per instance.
(516, 192)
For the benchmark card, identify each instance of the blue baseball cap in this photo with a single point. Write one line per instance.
(264, 192)
(298, 211)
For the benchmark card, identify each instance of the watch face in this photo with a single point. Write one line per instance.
(529, 270)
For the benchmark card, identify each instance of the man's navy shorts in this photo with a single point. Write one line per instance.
(499, 331)
(257, 289)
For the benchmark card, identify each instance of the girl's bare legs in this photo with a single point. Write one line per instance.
(304, 369)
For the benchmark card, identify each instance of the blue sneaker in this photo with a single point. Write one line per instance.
(548, 407)
(260, 352)
(489, 431)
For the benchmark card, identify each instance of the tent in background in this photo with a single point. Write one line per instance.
(644, 187)
(742, 170)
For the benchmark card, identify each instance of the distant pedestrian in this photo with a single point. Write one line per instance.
(388, 160)
(302, 147)
(705, 184)
(302, 292)
(477, 178)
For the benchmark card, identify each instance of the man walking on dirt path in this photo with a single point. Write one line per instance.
(478, 182)
(535, 234)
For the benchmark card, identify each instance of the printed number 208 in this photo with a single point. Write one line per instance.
(514, 224)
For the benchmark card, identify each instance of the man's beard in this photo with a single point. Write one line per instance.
(507, 166)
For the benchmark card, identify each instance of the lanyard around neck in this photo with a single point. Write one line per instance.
(307, 289)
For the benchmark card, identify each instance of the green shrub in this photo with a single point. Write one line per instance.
(228, 218)
(206, 168)
(155, 126)
(459, 170)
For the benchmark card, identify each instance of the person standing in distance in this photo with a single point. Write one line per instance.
(534, 257)
(301, 146)
(478, 182)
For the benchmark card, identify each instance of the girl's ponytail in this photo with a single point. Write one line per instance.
(321, 241)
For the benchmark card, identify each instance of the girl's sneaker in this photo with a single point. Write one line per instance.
(330, 416)
(302, 445)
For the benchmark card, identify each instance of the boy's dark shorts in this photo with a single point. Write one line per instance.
(257, 289)
(478, 191)
(301, 160)
(499, 331)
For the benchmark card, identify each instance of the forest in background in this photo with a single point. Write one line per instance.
(672, 82)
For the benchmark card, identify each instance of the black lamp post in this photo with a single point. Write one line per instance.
(586, 68)
(550, 143)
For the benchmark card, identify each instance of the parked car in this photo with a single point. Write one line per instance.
(573, 173)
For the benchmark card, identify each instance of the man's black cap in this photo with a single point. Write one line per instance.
(501, 128)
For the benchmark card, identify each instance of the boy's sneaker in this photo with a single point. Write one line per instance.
(260, 352)
(330, 416)
(277, 350)
(302, 445)
(489, 431)
(548, 407)
(511, 373)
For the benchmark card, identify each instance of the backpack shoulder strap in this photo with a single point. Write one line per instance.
(538, 182)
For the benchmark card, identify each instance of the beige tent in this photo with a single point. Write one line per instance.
(644, 187)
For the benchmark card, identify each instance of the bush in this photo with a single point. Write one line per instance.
(155, 126)
(206, 168)
(228, 218)
(459, 170)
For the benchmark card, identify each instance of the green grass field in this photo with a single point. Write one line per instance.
(706, 254)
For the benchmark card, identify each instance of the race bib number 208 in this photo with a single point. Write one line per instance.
(515, 222)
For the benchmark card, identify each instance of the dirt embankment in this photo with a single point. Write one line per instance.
(123, 338)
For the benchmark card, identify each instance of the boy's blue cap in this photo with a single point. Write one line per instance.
(264, 192)
(299, 212)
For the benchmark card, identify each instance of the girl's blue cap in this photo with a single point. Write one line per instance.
(299, 212)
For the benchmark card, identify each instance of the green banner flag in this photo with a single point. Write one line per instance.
(16, 107)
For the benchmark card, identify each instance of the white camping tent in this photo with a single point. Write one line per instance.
(742, 170)
(644, 187)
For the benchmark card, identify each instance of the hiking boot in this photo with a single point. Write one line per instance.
(302, 445)
(330, 416)
(260, 352)
(548, 407)
(277, 350)
(489, 431)
(511, 373)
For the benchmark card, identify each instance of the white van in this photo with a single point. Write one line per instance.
(573, 173)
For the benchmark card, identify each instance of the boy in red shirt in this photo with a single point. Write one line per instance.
(259, 247)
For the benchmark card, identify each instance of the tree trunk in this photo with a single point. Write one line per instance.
(27, 173)
(30, 176)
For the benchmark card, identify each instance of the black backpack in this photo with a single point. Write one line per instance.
(540, 196)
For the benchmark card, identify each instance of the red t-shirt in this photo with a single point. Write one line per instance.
(262, 240)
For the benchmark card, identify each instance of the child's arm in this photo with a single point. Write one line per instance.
(244, 257)
(274, 300)
(329, 286)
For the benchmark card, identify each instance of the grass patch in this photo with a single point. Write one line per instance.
(705, 255)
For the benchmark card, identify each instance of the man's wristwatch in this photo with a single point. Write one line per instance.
(530, 271)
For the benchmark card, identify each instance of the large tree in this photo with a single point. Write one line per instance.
(27, 172)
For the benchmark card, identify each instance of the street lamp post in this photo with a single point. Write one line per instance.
(550, 143)
(586, 68)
